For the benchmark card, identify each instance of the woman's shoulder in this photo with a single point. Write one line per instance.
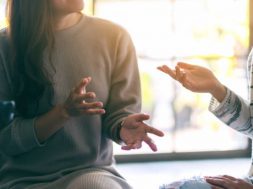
(106, 25)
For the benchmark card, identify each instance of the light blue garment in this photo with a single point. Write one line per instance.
(192, 183)
(7, 112)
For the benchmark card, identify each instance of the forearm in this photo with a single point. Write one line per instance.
(49, 123)
(234, 112)
(218, 91)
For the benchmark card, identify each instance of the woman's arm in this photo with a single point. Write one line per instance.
(125, 100)
(75, 105)
(225, 104)
(22, 135)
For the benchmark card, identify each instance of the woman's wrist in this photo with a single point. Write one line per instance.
(117, 133)
(219, 92)
(62, 112)
(49, 123)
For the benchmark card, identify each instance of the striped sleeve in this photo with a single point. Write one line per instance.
(234, 112)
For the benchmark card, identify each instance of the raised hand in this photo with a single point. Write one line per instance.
(134, 131)
(196, 79)
(228, 182)
(76, 104)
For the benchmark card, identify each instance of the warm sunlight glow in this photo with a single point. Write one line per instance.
(197, 31)
(88, 7)
(2, 14)
(3, 23)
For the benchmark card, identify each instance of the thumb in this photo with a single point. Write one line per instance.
(141, 117)
(185, 65)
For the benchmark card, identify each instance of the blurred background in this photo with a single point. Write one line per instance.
(211, 33)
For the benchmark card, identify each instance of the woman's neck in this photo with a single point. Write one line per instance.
(66, 21)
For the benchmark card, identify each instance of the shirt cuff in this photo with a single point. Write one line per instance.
(116, 133)
(25, 135)
(215, 106)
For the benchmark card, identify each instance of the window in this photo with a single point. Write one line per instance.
(210, 33)
(2, 14)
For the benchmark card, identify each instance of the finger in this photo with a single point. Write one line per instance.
(222, 177)
(179, 74)
(127, 147)
(90, 105)
(230, 177)
(82, 97)
(185, 65)
(133, 145)
(93, 111)
(81, 86)
(90, 95)
(186, 83)
(167, 70)
(154, 131)
(150, 143)
(218, 182)
(140, 117)
(137, 145)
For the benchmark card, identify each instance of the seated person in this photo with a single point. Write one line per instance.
(75, 83)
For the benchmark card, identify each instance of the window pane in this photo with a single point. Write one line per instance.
(195, 31)
(2, 14)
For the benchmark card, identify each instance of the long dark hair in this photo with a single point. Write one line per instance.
(30, 32)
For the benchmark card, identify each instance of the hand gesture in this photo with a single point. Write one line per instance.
(134, 131)
(196, 79)
(228, 182)
(76, 104)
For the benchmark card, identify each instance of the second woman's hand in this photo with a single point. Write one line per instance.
(228, 182)
(197, 79)
(76, 103)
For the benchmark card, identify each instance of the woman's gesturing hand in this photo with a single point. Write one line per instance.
(134, 131)
(228, 182)
(196, 79)
(76, 104)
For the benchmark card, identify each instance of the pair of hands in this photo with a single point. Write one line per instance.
(133, 132)
(228, 182)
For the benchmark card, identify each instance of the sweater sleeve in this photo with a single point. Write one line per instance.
(125, 93)
(18, 136)
(234, 112)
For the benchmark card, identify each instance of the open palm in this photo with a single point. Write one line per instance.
(192, 77)
(134, 131)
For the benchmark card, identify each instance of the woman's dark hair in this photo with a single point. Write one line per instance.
(30, 32)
